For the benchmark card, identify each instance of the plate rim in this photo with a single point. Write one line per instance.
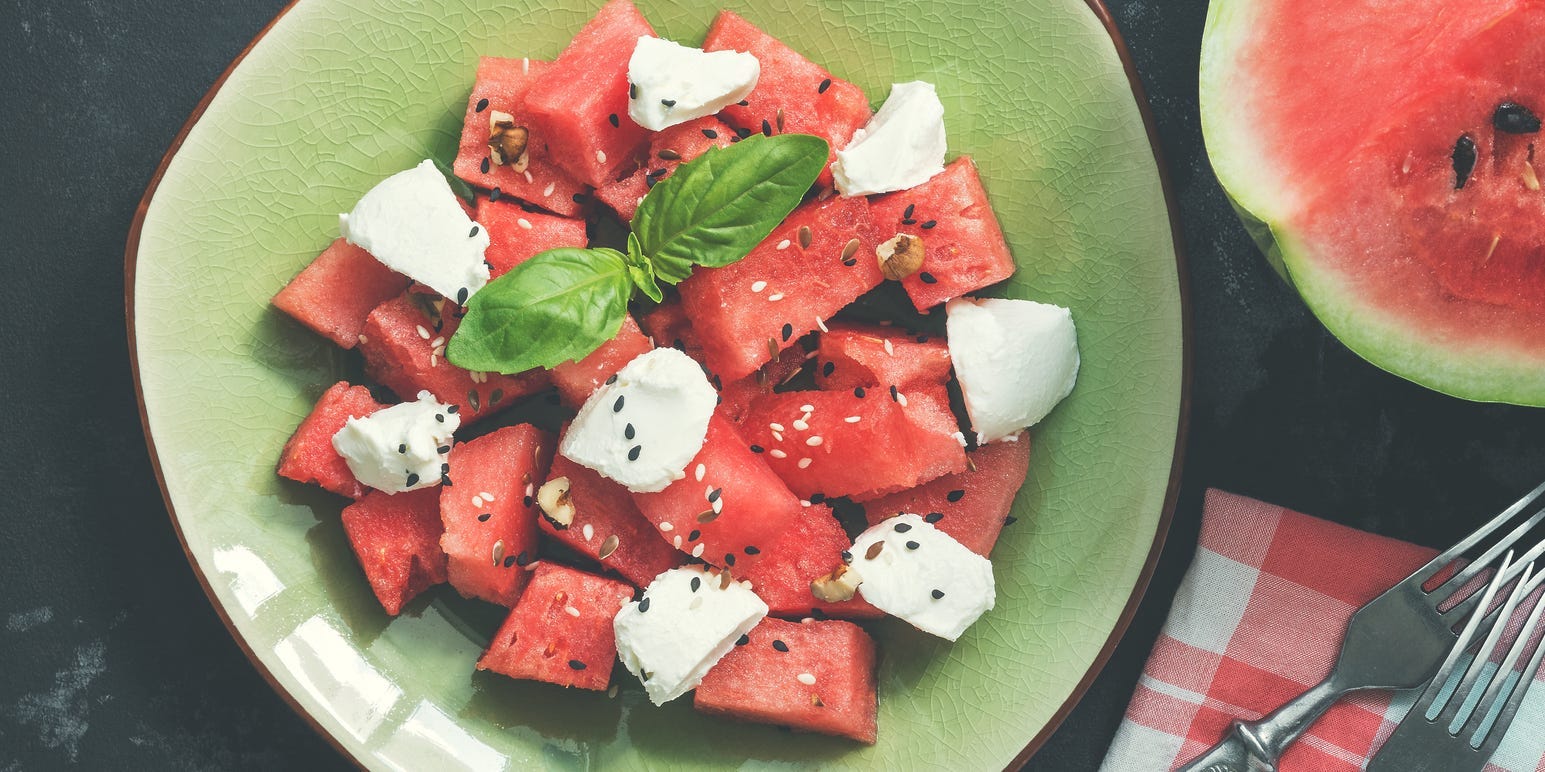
(1123, 621)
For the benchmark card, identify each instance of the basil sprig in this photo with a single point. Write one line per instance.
(562, 304)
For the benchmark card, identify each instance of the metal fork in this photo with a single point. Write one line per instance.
(1427, 738)
(1396, 641)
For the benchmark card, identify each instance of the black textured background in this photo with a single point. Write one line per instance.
(110, 656)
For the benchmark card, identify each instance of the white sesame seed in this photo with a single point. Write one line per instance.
(477, 501)
(667, 527)
(571, 611)
(699, 472)
(524, 223)
(533, 564)
(804, 502)
(548, 191)
(800, 424)
(784, 244)
(611, 692)
(530, 489)
(718, 505)
(758, 286)
(814, 440)
(960, 437)
(486, 496)
(529, 178)
(434, 359)
(901, 399)
(676, 542)
(437, 342)
(708, 491)
(525, 65)
(777, 427)
(588, 531)
(853, 419)
(778, 436)
(363, 339)
(600, 156)
(423, 333)
(804, 462)
(807, 409)
(889, 349)
(821, 325)
(697, 551)
(775, 297)
(1010, 438)
(775, 453)
(806, 679)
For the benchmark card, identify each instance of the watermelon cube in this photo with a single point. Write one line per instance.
(404, 348)
(489, 511)
(580, 105)
(971, 506)
(309, 456)
(561, 630)
(667, 150)
(737, 395)
(862, 443)
(815, 676)
(335, 293)
(501, 86)
(516, 234)
(397, 540)
(793, 94)
(963, 247)
(667, 325)
(576, 381)
(729, 506)
(853, 355)
(603, 510)
(818, 260)
(808, 550)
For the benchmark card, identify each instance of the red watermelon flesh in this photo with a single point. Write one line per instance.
(544, 639)
(747, 311)
(576, 381)
(808, 550)
(749, 509)
(489, 512)
(504, 83)
(309, 456)
(397, 541)
(971, 506)
(667, 150)
(580, 105)
(608, 510)
(335, 293)
(667, 325)
(963, 247)
(737, 395)
(853, 355)
(793, 95)
(889, 447)
(404, 348)
(516, 235)
(824, 681)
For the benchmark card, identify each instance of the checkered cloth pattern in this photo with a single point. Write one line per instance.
(1257, 620)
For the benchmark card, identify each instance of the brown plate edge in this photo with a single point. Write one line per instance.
(130, 260)
(1172, 494)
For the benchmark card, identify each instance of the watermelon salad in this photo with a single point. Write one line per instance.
(768, 422)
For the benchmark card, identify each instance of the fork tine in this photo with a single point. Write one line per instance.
(1493, 734)
(1475, 537)
(1445, 670)
(1463, 608)
(1461, 697)
(1444, 591)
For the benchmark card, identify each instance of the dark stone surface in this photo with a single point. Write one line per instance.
(110, 656)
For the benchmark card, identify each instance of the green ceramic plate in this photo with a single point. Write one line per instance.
(339, 93)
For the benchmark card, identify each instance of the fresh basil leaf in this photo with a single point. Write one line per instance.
(642, 271)
(716, 208)
(556, 307)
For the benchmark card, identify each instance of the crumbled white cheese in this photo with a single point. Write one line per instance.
(1016, 359)
(413, 223)
(923, 576)
(673, 84)
(901, 147)
(398, 448)
(685, 622)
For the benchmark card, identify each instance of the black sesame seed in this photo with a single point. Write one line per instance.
(482, 104)
(893, 394)
(442, 450)
(445, 468)
(818, 614)
(850, 262)
(828, 368)
(580, 198)
(858, 392)
(576, 664)
(766, 128)
(634, 451)
(643, 605)
(693, 536)
(930, 224)
(908, 221)
(817, 498)
(825, 84)
(1010, 520)
(612, 379)
(752, 550)
(485, 166)
(483, 518)
(847, 557)
(628, 432)
(927, 277)
(903, 527)
(612, 119)
(757, 449)
(697, 583)
(933, 517)
(527, 502)
(453, 408)
(780, 646)
(440, 417)
(509, 561)
(742, 640)
(906, 214)
(729, 558)
(493, 195)
(412, 480)
(617, 406)
(912, 545)
(742, 133)
(461, 297)
(668, 102)
(744, 103)
(710, 133)
(403, 448)
(658, 173)
(937, 594)
(788, 331)
(633, 91)
(445, 480)
(522, 559)
(955, 495)
(714, 495)
(650, 182)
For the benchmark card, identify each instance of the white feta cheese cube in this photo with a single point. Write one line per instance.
(921, 575)
(673, 84)
(901, 147)
(398, 448)
(685, 622)
(1016, 359)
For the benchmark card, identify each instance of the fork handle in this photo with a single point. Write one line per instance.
(1256, 746)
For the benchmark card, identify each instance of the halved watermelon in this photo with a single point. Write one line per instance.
(807, 550)
(667, 150)
(561, 630)
(335, 293)
(607, 522)
(501, 86)
(729, 506)
(793, 95)
(579, 106)
(853, 355)
(818, 260)
(516, 234)
(576, 381)
(397, 540)
(404, 348)
(1400, 193)
(309, 456)
(489, 511)
(963, 246)
(972, 506)
(862, 443)
(816, 676)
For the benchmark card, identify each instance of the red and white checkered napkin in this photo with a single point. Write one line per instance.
(1259, 619)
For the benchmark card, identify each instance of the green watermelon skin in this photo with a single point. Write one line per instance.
(963, 245)
(641, 554)
(854, 355)
(576, 381)
(807, 550)
(745, 312)
(494, 475)
(573, 102)
(309, 457)
(680, 143)
(516, 234)
(974, 505)
(397, 541)
(789, 90)
(335, 293)
(757, 682)
(542, 640)
(504, 83)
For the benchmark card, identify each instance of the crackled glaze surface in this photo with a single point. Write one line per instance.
(342, 92)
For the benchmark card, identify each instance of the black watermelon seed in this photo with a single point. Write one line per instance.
(743, 640)
(483, 518)
(912, 545)
(643, 605)
(933, 517)
(694, 535)
(1464, 160)
(1010, 520)
(903, 527)
(742, 133)
(710, 133)
(627, 432)
(494, 397)
(858, 392)
(926, 277)
(955, 495)
(825, 84)
(509, 561)
(752, 550)
(930, 224)
(906, 214)
(937, 594)
(576, 664)
(612, 379)
(788, 331)
(757, 448)
(485, 166)
(714, 495)
(612, 119)
(634, 451)
(1514, 118)
(412, 480)
(493, 195)
(729, 558)
(617, 406)
(482, 104)
(847, 557)
(766, 128)
(828, 368)
(696, 583)
(817, 498)
(780, 646)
